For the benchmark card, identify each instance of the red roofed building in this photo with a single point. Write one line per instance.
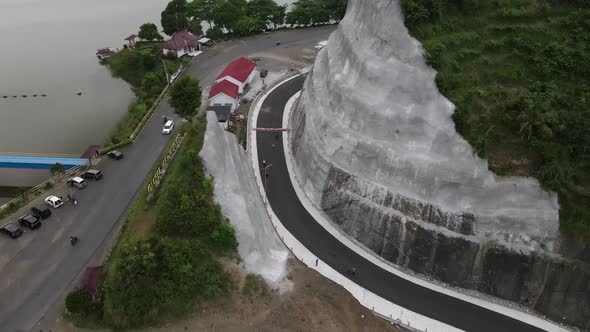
(181, 43)
(224, 93)
(240, 72)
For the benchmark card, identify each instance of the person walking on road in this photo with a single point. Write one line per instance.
(273, 147)
(277, 136)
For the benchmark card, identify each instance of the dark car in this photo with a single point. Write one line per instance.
(30, 221)
(115, 155)
(41, 211)
(11, 230)
(92, 174)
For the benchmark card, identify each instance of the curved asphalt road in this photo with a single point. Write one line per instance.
(300, 223)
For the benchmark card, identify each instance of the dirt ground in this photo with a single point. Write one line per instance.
(314, 304)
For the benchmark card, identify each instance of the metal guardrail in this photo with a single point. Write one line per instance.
(29, 194)
(139, 126)
(145, 118)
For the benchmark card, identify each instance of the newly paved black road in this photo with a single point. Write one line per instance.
(300, 223)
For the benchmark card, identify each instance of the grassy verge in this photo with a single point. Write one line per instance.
(517, 71)
(166, 259)
(7, 191)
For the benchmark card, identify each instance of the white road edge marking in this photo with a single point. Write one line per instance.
(319, 216)
(377, 304)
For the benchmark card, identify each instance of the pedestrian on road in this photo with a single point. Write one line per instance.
(69, 197)
(273, 146)
(165, 119)
(263, 163)
(277, 136)
(316, 262)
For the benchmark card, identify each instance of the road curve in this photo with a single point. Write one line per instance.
(287, 207)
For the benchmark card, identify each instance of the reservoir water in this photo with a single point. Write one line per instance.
(49, 48)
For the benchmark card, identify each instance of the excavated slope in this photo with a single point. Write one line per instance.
(376, 148)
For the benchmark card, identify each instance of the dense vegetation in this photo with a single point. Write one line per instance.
(143, 68)
(185, 97)
(518, 72)
(172, 264)
(227, 18)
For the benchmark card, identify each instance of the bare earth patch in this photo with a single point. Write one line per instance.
(144, 223)
(314, 304)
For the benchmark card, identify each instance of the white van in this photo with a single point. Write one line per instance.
(168, 127)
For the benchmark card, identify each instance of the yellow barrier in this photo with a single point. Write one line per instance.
(157, 178)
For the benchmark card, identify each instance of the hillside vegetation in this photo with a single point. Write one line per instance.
(168, 258)
(518, 72)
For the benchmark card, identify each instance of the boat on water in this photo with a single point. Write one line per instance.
(105, 53)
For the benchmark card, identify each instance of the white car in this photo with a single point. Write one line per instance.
(168, 127)
(54, 201)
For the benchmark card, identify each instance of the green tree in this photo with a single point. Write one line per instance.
(306, 12)
(215, 33)
(298, 16)
(266, 11)
(56, 169)
(202, 10)
(248, 25)
(336, 9)
(151, 85)
(227, 12)
(149, 31)
(185, 97)
(174, 17)
(195, 28)
(278, 16)
(414, 11)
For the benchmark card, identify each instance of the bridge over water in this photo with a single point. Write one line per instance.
(30, 169)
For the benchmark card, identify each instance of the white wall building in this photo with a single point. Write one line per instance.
(240, 72)
(224, 93)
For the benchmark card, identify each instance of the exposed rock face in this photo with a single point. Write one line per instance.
(376, 148)
(420, 237)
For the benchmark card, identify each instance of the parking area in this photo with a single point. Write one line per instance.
(10, 247)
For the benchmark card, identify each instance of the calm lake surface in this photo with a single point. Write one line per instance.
(49, 48)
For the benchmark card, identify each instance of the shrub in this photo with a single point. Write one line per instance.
(223, 236)
(215, 33)
(154, 276)
(56, 169)
(254, 284)
(79, 302)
